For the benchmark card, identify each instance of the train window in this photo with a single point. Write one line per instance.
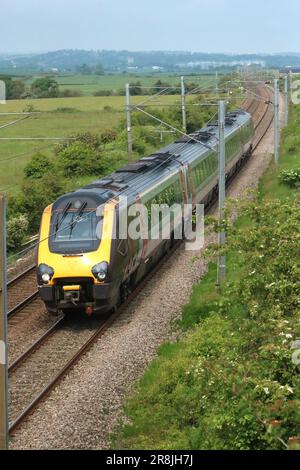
(75, 233)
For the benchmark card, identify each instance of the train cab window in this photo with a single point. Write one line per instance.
(75, 232)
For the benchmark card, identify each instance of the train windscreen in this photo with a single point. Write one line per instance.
(75, 231)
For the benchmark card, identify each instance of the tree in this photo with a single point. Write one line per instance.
(14, 88)
(84, 69)
(135, 88)
(99, 69)
(45, 87)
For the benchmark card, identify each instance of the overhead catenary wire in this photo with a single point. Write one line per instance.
(94, 210)
(154, 169)
(37, 138)
(14, 122)
(20, 155)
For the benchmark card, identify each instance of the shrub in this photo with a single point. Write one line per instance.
(108, 109)
(68, 93)
(17, 228)
(103, 93)
(92, 140)
(65, 109)
(108, 135)
(29, 108)
(38, 194)
(38, 166)
(79, 159)
(290, 177)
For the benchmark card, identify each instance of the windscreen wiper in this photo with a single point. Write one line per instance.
(76, 217)
(63, 216)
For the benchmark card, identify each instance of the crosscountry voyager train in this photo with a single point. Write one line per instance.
(79, 268)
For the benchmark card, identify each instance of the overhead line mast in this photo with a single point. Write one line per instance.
(3, 329)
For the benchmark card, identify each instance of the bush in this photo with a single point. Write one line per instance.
(65, 109)
(103, 93)
(290, 178)
(108, 135)
(79, 159)
(38, 194)
(29, 108)
(38, 166)
(108, 109)
(17, 228)
(68, 93)
(92, 140)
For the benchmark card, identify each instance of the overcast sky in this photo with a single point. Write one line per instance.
(194, 25)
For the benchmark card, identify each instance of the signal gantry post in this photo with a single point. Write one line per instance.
(3, 330)
(286, 100)
(222, 171)
(276, 121)
(128, 119)
(183, 105)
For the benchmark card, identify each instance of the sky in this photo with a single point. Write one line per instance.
(230, 26)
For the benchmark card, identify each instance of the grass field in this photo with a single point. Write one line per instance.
(62, 117)
(89, 84)
(59, 117)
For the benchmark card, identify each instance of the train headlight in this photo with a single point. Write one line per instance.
(46, 277)
(100, 271)
(45, 273)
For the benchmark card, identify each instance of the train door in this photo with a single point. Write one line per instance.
(186, 184)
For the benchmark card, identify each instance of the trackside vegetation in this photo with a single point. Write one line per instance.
(230, 382)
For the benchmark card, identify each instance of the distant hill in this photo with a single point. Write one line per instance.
(119, 61)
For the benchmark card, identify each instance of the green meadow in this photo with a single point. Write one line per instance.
(89, 84)
(55, 118)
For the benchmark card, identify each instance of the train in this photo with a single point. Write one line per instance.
(82, 261)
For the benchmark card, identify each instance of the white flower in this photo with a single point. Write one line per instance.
(289, 336)
(266, 390)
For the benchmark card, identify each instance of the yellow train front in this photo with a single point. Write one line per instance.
(75, 254)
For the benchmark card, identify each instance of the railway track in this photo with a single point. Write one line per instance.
(22, 401)
(37, 371)
(21, 291)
